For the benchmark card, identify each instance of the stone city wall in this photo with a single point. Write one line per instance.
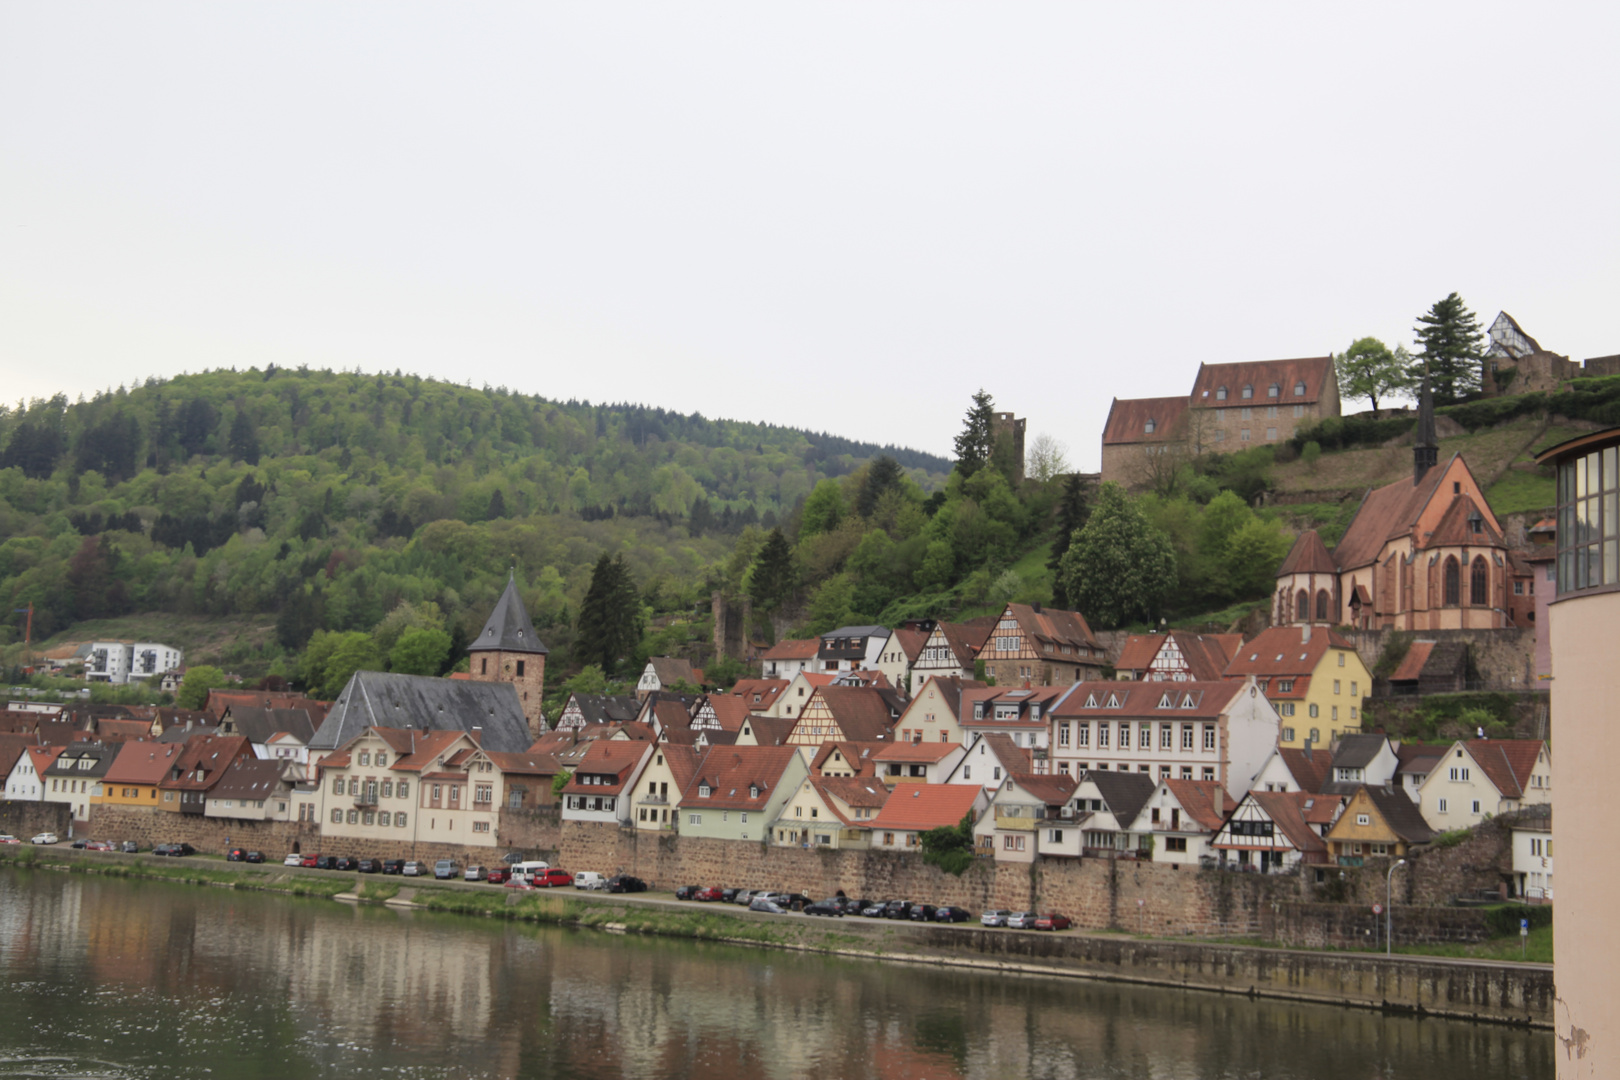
(26, 819)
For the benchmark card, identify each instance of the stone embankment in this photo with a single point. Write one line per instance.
(1497, 992)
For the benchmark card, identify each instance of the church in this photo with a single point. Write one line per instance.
(1424, 553)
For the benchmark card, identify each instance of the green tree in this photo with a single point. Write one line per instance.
(610, 618)
(949, 847)
(773, 579)
(1253, 553)
(1451, 350)
(1072, 511)
(354, 652)
(977, 440)
(244, 439)
(420, 652)
(882, 476)
(193, 693)
(1369, 369)
(1120, 568)
(559, 782)
(823, 510)
(590, 680)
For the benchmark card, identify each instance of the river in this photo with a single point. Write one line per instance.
(120, 978)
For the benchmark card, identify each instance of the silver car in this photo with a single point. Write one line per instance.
(1021, 920)
(995, 917)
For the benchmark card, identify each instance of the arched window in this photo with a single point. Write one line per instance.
(1220, 393)
(1479, 585)
(1299, 388)
(1273, 390)
(1248, 391)
(1302, 606)
(1322, 606)
(1453, 582)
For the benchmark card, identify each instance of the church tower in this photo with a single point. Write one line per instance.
(508, 650)
(1425, 447)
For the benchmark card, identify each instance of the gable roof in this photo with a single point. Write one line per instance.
(859, 756)
(769, 730)
(1310, 768)
(1205, 801)
(12, 748)
(965, 639)
(1123, 793)
(672, 669)
(682, 762)
(421, 703)
(759, 693)
(1452, 530)
(143, 762)
(1282, 651)
(920, 807)
(1358, 751)
(1507, 762)
(508, 628)
(1286, 809)
(1009, 755)
(249, 779)
(1385, 513)
(605, 708)
(1308, 556)
(917, 752)
(729, 771)
(1054, 625)
(1201, 700)
(42, 757)
(949, 688)
(1313, 371)
(911, 640)
(1128, 418)
(729, 710)
(259, 724)
(1400, 814)
(793, 649)
(1411, 667)
(526, 763)
(606, 757)
(1052, 789)
(220, 700)
(211, 754)
(862, 713)
(852, 790)
(100, 755)
(1206, 655)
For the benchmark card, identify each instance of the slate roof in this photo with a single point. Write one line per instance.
(508, 627)
(729, 770)
(183, 733)
(421, 703)
(1282, 651)
(606, 708)
(920, 807)
(1128, 417)
(1308, 556)
(142, 762)
(1401, 815)
(67, 763)
(1314, 371)
(1123, 793)
(1417, 655)
(1358, 751)
(248, 779)
(260, 724)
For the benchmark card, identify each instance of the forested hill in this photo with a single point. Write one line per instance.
(327, 498)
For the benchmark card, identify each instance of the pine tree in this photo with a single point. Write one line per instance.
(1451, 343)
(497, 506)
(774, 579)
(977, 440)
(1072, 511)
(244, 438)
(610, 616)
(883, 476)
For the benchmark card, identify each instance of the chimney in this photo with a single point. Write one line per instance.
(1036, 607)
(1305, 634)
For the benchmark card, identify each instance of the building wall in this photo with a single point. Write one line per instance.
(932, 715)
(26, 819)
(496, 666)
(128, 794)
(1332, 687)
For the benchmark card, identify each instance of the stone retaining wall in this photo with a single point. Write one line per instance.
(26, 819)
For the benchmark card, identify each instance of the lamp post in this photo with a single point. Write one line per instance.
(1389, 911)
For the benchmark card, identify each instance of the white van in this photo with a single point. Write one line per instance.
(525, 871)
(589, 879)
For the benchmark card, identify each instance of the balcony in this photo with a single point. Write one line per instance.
(1026, 818)
(366, 798)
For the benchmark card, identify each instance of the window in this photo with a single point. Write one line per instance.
(1287, 734)
(403, 789)
(1248, 392)
(337, 817)
(1363, 819)
(1299, 411)
(694, 819)
(1243, 434)
(1102, 735)
(1315, 711)
(1248, 413)
(1316, 735)
(354, 817)
(1299, 390)
(1453, 582)
(1063, 734)
(1442, 806)
(337, 786)
(380, 759)
(1209, 736)
(1209, 772)
(1008, 843)
(1479, 583)
(520, 664)
(1084, 735)
(365, 758)
(1187, 737)
(1220, 393)
(1322, 602)
(1148, 427)
(1476, 806)
(1167, 736)
(1144, 736)
(1271, 434)
(1273, 390)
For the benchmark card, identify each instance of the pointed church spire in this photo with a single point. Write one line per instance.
(1425, 447)
(508, 628)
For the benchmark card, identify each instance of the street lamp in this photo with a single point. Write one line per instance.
(1389, 912)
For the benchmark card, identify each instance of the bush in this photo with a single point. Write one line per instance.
(1346, 432)
(950, 847)
(1504, 921)
(1310, 455)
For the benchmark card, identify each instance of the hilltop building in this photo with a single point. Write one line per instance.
(508, 650)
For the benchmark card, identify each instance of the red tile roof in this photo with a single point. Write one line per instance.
(1054, 625)
(1314, 372)
(729, 710)
(210, 755)
(730, 772)
(1205, 801)
(1452, 530)
(1090, 700)
(1128, 419)
(1009, 755)
(142, 762)
(1385, 513)
(1282, 651)
(606, 757)
(525, 763)
(1206, 654)
(1508, 762)
(1417, 654)
(793, 649)
(862, 713)
(1053, 790)
(769, 730)
(857, 755)
(920, 807)
(759, 693)
(925, 752)
(852, 791)
(911, 640)
(1310, 770)
(1308, 556)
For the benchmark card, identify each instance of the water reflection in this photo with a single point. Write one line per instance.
(138, 979)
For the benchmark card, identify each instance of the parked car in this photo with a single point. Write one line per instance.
(709, 895)
(553, 879)
(897, 909)
(129, 847)
(346, 862)
(770, 907)
(45, 838)
(78, 845)
(174, 850)
(236, 854)
(326, 862)
(875, 910)
(7, 838)
(952, 914)
(744, 897)
(922, 912)
(1053, 921)
(254, 857)
(589, 879)
(444, 869)
(393, 866)
(527, 870)
(412, 868)
(498, 875)
(856, 907)
(310, 861)
(625, 883)
(369, 866)
(688, 892)
(99, 845)
(1021, 920)
(793, 901)
(729, 896)
(475, 873)
(825, 907)
(994, 917)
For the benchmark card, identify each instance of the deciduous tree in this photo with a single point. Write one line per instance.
(1369, 369)
(1119, 568)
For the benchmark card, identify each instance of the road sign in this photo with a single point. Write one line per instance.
(1524, 927)
(1378, 909)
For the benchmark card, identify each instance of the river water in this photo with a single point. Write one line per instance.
(117, 978)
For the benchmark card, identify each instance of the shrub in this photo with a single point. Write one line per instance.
(1504, 921)
(1310, 455)
(950, 847)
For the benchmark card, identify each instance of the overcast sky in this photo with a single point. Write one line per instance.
(838, 216)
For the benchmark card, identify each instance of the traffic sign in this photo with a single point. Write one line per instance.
(1378, 909)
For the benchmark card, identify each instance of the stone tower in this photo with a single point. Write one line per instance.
(1004, 425)
(508, 650)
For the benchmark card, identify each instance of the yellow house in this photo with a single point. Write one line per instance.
(1312, 675)
(132, 778)
(830, 812)
(656, 796)
(1376, 823)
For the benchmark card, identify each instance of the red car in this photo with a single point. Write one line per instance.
(711, 893)
(309, 861)
(500, 875)
(1053, 921)
(518, 881)
(553, 879)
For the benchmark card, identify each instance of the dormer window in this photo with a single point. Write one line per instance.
(1149, 426)
(703, 791)
(1273, 390)
(753, 792)
(1299, 388)
(1248, 392)
(1476, 524)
